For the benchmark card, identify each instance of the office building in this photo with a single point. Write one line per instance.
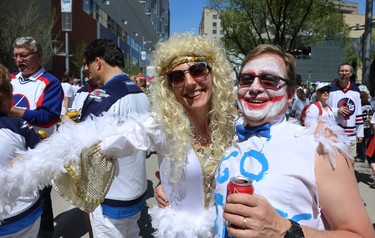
(135, 25)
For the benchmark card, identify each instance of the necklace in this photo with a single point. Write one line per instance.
(209, 163)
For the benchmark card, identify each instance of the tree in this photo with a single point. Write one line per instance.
(291, 24)
(28, 20)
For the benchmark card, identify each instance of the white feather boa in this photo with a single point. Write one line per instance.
(170, 223)
(333, 142)
(35, 168)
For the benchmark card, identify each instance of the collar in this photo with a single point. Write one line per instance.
(33, 77)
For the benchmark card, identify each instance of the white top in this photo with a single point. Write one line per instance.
(312, 114)
(186, 196)
(291, 190)
(298, 106)
(68, 93)
(10, 142)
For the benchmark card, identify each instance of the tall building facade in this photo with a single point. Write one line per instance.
(135, 25)
(211, 25)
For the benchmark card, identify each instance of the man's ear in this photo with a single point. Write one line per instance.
(98, 63)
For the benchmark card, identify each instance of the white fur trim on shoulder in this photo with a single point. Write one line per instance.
(336, 142)
(170, 223)
(35, 168)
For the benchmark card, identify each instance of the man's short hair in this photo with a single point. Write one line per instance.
(105, 49)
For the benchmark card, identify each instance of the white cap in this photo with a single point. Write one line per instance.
(322, 85)
(363, 88)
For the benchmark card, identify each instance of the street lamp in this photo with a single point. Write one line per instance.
(144, 53)
(66, 20)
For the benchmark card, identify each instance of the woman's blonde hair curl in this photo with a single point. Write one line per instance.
(172, 114)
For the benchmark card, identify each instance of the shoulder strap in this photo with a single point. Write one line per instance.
(319, 107)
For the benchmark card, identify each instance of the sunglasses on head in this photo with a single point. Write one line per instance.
(267, 80)
(197, 71)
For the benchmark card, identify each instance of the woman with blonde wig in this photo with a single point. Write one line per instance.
(192, 125)
(193, 99)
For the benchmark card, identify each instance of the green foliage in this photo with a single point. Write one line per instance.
(290, 24)
(77, 59)
(27, 20)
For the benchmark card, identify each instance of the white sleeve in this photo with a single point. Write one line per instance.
(142, 133)
(373, 119)
(312, 114)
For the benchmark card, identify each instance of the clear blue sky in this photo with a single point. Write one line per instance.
(186, 14)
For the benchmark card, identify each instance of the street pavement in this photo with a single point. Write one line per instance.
(69, 221)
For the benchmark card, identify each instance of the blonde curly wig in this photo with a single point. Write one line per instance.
(173, 116)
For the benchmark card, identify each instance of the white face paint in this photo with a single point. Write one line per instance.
(257, 104)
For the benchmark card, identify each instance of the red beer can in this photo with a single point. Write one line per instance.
(240, 184)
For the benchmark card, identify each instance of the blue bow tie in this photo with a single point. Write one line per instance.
(245, 132)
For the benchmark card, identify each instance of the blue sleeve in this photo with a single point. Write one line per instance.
(31, 137)
(47, 110)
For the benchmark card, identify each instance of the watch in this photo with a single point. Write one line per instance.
(295, 231)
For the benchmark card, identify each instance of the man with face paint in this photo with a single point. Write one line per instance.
(345, 101)
(301, 189)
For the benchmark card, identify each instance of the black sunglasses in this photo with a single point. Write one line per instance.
(267, 80)
(324, 90)
(198, 72)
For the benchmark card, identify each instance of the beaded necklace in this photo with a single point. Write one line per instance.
(209, 163)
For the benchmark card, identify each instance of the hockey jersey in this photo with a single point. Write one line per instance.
(350, 97)
(41, 95)
(15, 135)
(121, 96)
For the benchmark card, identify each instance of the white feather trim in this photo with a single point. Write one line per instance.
(336, 142)
(170, 223)
(35, 168)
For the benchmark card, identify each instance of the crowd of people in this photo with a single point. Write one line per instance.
(204, 132)
(349, 104)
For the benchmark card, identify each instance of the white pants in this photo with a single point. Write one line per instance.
(29, 232)
(353, 148)
(105, 227)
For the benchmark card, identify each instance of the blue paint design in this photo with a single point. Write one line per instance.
(220, 202)
(260, 158)
(296, 218)
(302, 216)
(222, 178)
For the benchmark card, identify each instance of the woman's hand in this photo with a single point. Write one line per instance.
(161, 199)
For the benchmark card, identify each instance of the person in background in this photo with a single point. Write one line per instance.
(371, 160)
(37, 99)
(299, 103)
(68, 93)
(37, 94)
(367, 111)
(299, 192)
(24, 218)
(77, 84)
(141, 82)
(82, 94)
(345, 101)
(117, 216)
(319, 108)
